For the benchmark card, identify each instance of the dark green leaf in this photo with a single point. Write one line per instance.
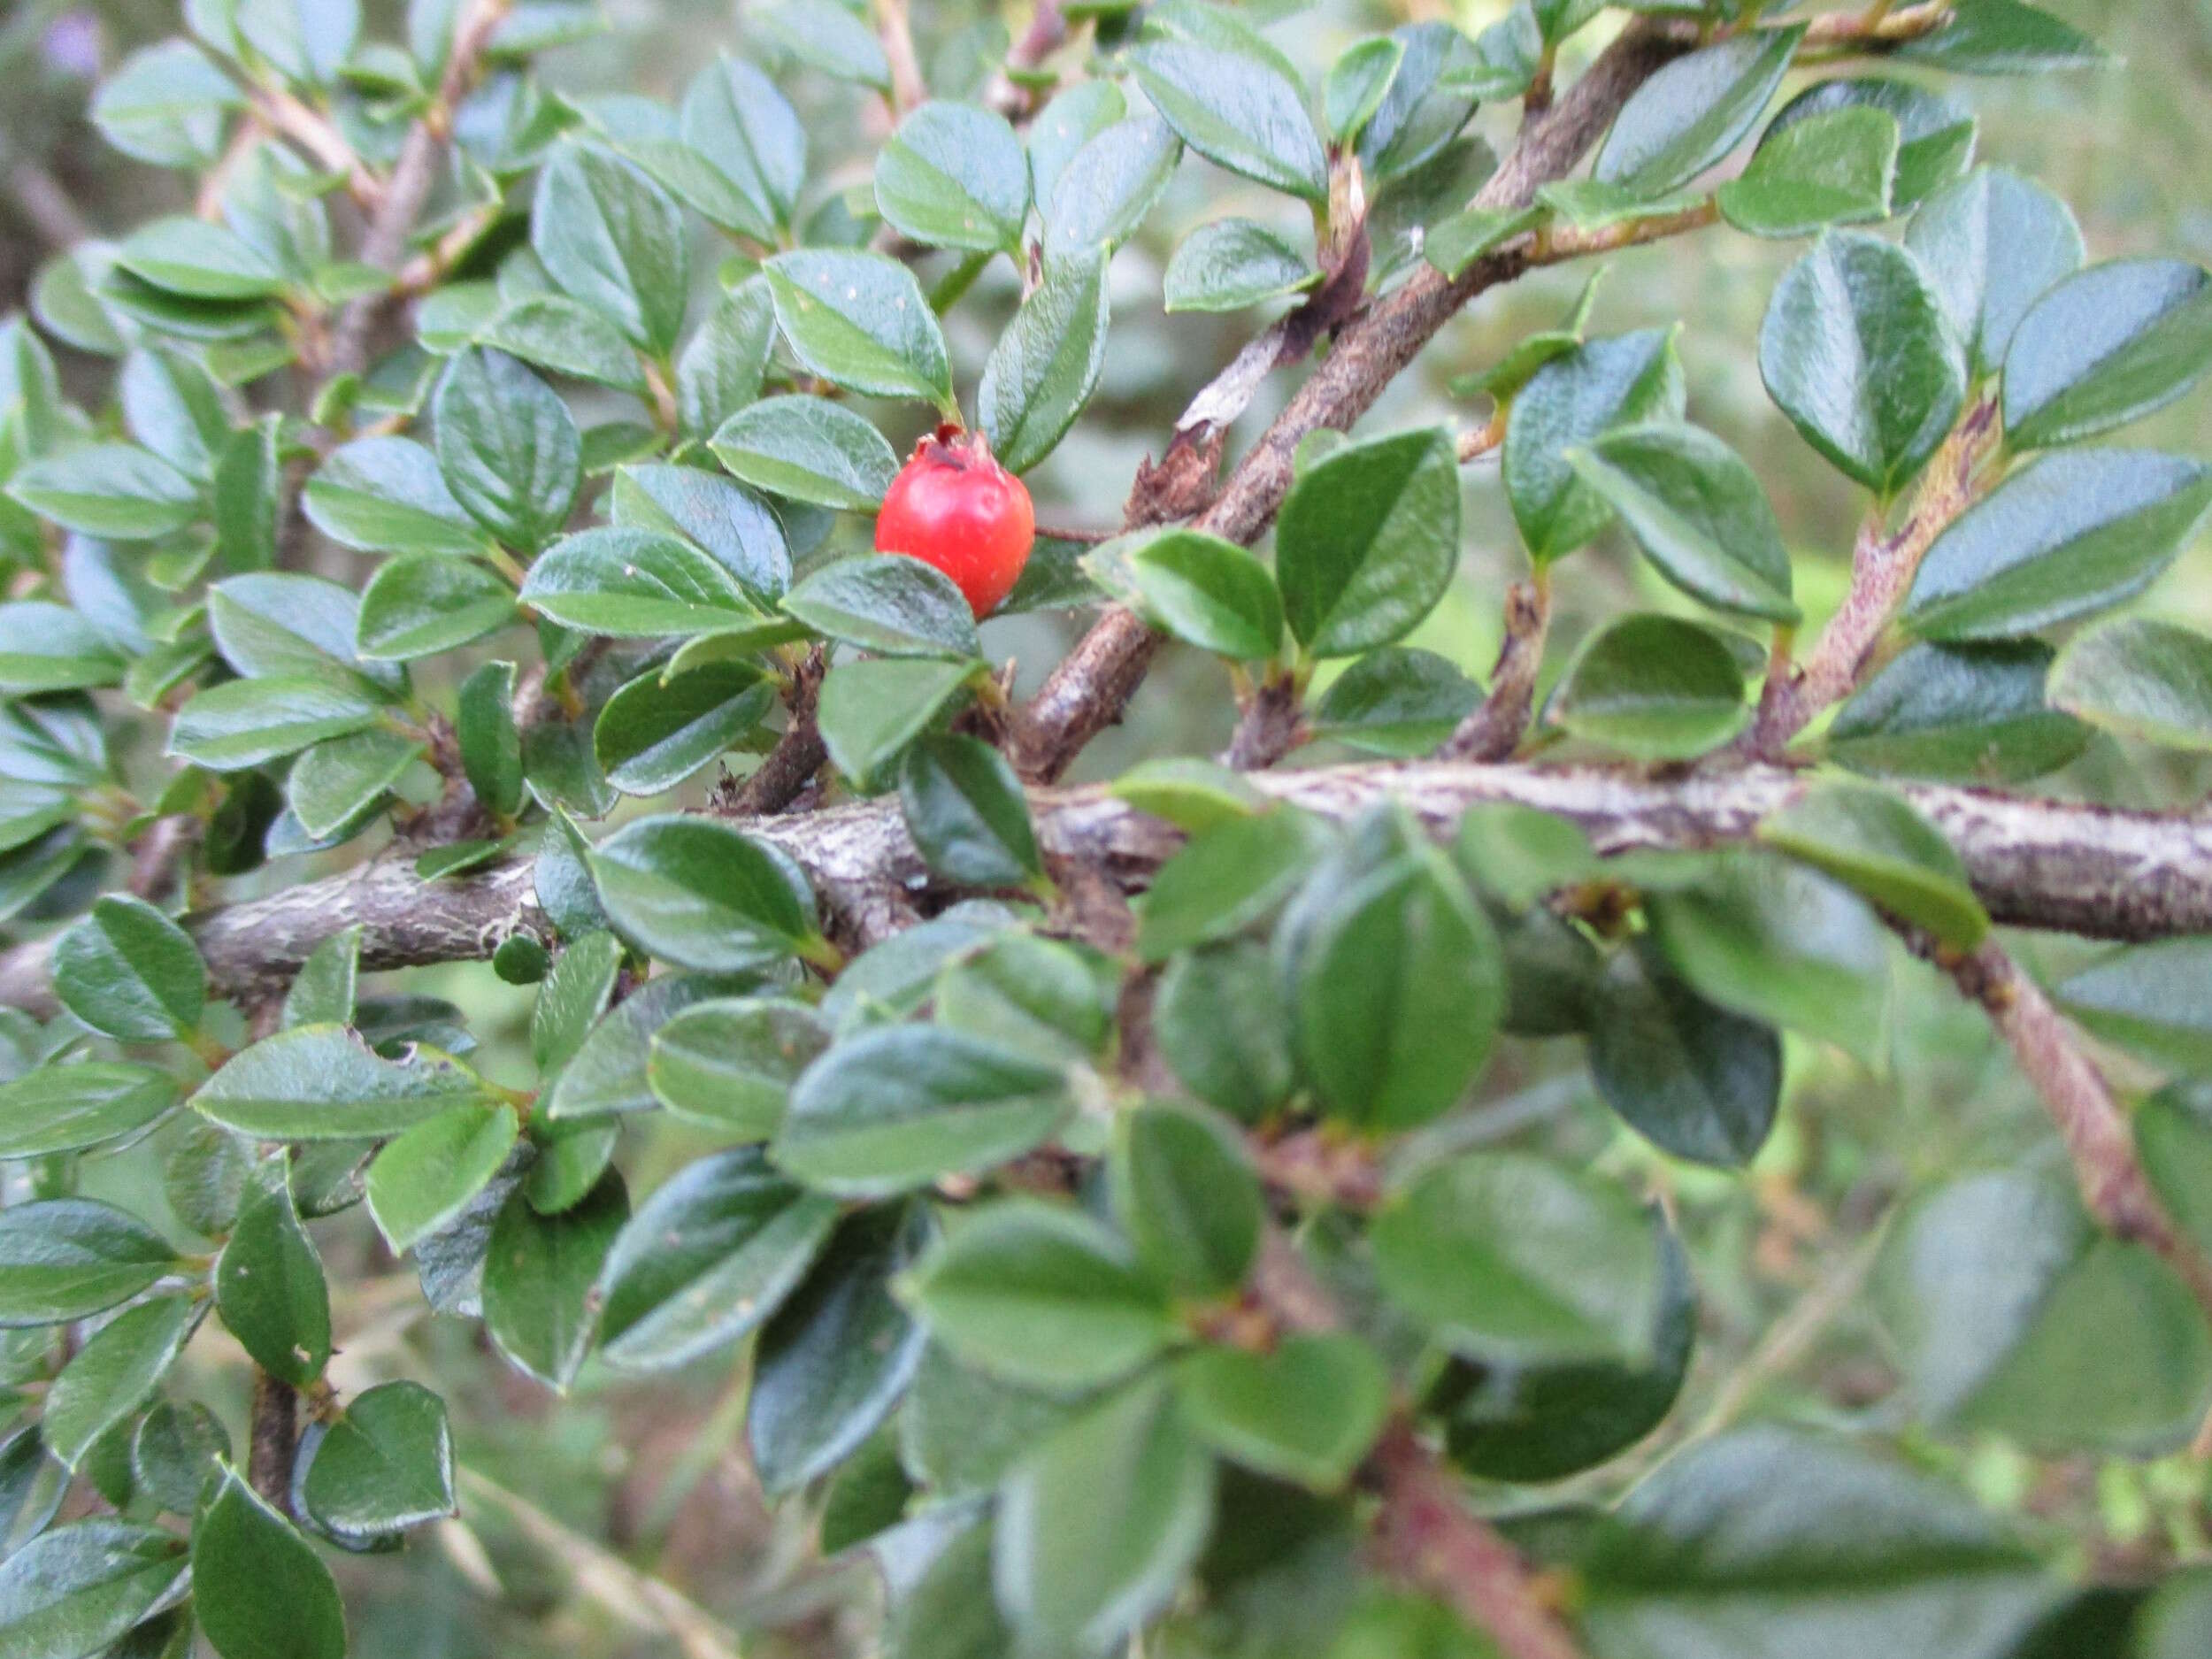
(1305, 1411)
(65, 1258)
(1972, 712)
(654, 734)
(269, 1283)
(1571, 399)
(702, 894)
(321, 1082)
(1219, 1019)
(1694, 111)
(1937, 130)
(2003, 37)
(1230, 263)
(1697, 511)
(2064, 537)
(614, 241)
(1697, 1080)
(1044, 1297)
(426, 1177)
(259, 1590)
(810, 449)
(1368, 540)
(718, 517)
(69, 1108)
(634, 584)
(870, 710)
(1226, 877)
(1836, 168)
(1658, 687)
(1047, 364)
(540, 1274)
(387, 496)
(899, 1108)
(706, 1259)
(507, 446)
(2107, 347)
(69, 1592)
(1856, 350)
(176, 1451)
(730, 1064)
(954, 176)
(1187, 1197)
(889, 604)
(1873, 841)
(861, 321)
(130, 972)
(491, 746)
(114, 1374)
(1398, 701)
(964, 808)
(115, 490)
(385, 1466)
(1512, 1260)
(1992, 244)
(2141, 679)
(1236, 109)
(422, 603)
(837, 1355)
(1107, 187)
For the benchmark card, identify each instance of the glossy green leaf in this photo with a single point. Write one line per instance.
(716, 516)
(1992, 244)
(810, 449)
(65, 1258)
(1571, 399)
(719, 371)
(1694, 111)
(73, 1591)
(1699, 513)
(2004, 37)
(1367, 541)
(2141, 679)
(1935, 126)
(654, 734)
(1972, 712)
(426, 1176)
(1857, 352)
(1357, 82)
(1224, 879)
(870, 711)
(1220, 1019)
(954, 176)
(889, 604)
(902, 1107)
(507, 447)
(269, 1286)
(734, 116)
(834, 1361)
(176, 1451)
(2066, 536)
(539, 1275)
(1107, 187)
(1236, 109)
(419, 604)
(861, 321)
(384, 1466)
(709, 1258)
(1398, 990)
(702, 894)
(607, 1073)
(1657, 688)
(321, 1082)
(130, 972)
(2105, 348)
(116, 490)
(387, 496)
(1836, 168)
(1399, 702)
(964, 808)
(491, 745)
(614, 241)
(114, 1373)
(634, 584)
(730, 1064)
(199, 260)
(1695, 1079)
(1228, 265)
(71, 1107)
(1047, 364)
(259, 1589)
(1042, 1295)
(1186, 1198)
(2147, 997)
(1873, 841)
(1513, 1260)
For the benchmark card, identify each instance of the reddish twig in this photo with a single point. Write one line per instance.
(1495, 728)
(273, 1441)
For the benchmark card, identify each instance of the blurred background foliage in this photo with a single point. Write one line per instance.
(623, 1521)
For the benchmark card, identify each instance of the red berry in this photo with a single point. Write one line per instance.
(954, 507)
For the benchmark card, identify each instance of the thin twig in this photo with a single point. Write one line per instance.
(273, 1439)
(47, 207)
(323, 142)
(1495, 728)
(1882, 570)
(2096, 1131)
(909, 90)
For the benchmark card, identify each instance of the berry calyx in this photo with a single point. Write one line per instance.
(952, 506)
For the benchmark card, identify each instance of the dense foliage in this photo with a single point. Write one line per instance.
(1119, 1205)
